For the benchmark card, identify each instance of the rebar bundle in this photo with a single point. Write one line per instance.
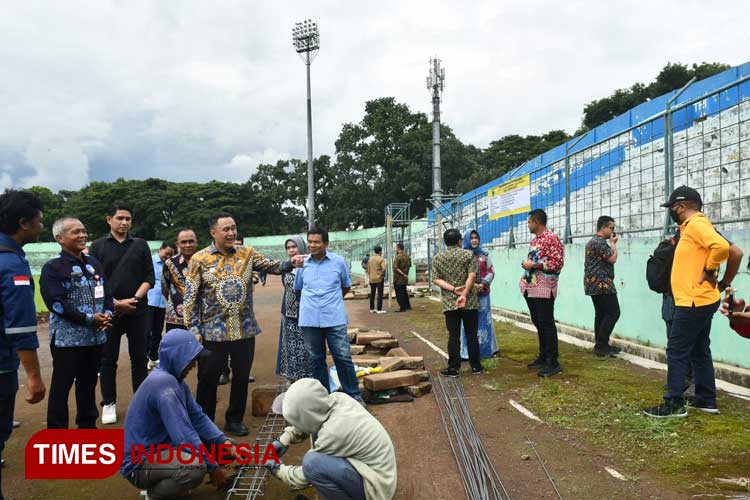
(250, 482)
(478, 474)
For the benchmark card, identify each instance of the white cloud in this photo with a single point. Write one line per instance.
(192, 90)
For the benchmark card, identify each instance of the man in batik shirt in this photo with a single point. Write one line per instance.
(218, 307)
(539, 287)
(173, 278)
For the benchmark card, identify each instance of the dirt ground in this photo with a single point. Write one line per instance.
(426, 468)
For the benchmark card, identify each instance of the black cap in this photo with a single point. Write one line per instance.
(683, 193)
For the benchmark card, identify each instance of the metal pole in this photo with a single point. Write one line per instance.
(568, 237)
(669, 151)
(310, 170)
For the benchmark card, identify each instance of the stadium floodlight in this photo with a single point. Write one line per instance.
(306, 41)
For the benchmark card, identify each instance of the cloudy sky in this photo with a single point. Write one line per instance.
(197, 90)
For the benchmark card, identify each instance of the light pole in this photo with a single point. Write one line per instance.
(306, 40)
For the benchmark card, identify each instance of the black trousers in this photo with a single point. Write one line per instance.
(453, 320)
(8, 390)
(402, 297)
(155, 328)
(607, 312)
(241, 353)
(543, 316)
(376, 287)
(135, 328)
(71, 365)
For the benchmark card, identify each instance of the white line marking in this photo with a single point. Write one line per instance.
(431, 345)
(523, 410)
(615, 474)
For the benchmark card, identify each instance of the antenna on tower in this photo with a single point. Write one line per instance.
(436, 84)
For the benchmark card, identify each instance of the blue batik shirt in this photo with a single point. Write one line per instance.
(74, 290)
(155, 296)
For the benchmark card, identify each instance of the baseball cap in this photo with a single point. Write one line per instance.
(683, 193)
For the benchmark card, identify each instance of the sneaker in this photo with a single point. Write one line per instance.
(666, 410)
(152, 364)
(600, 353)
(236, 429)
(16, 424)
(223, 379)
(382, 311)
(477, 371)
(144, 495)
(372, 311)
(550, 370)
(449, 372)
(250, 379)
(537, 364)
(614, 351)
(697, 404)
(109, 414)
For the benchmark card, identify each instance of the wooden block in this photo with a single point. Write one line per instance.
(368, 337)
(366, 360)
(352, 333)
(262, 399)
(384, 343)
(349, 296)
(424, 375)
(398, 351)
(390, 364)
(413, 362)
(357, 350)
(419, 389)
(392, 380)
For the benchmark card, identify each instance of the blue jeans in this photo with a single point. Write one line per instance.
(334, 478)
(338, 343)
(689, 343)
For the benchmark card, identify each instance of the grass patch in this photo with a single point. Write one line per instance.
(601, 400)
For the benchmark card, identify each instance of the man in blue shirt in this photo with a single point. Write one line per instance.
(157, 304)
(81, 307)
(323, 281)
(20, 223)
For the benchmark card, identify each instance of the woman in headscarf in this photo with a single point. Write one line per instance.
(292, 361)
(485, 275)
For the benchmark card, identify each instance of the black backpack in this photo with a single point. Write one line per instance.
(659, 265)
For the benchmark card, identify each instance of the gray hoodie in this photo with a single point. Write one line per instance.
(344, 429)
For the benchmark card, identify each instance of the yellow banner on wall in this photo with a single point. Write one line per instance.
(513, 197)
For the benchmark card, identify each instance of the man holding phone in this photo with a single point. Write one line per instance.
(599, 284)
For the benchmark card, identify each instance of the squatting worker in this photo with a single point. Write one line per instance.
(173, 278)
(20, 223)
(352, 456)
(163, 411)
(539, 287)
(455, 272)
(219, 312)
(697, 258)
(80, 304)
(130, 273)
(322, 284)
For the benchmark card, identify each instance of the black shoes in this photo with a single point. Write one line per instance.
(536, 364)
(236, 429)
(477, 371)
(614, 351)
(250, 379)
(610, 351)
(666, 410)
(697, 404)
(550, 370)
(449, 372)
(600, 353)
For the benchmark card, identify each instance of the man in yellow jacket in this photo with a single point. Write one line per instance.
(697, 259)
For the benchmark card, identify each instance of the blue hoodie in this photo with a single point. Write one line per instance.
(163, 411)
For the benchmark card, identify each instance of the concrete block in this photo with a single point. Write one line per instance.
(368, 337)
(419, 389)
(366, 360)
(352, 334)
(349, 296)
(390, 364)
(357, 350)
(424, 375)
(391, 380)
(262, 399)
(413, 362)
(384, 343)
(398, 351)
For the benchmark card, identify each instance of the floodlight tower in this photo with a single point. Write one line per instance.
(306, 41)
(435, 84)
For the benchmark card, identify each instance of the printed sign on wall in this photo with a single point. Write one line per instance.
(513, 197)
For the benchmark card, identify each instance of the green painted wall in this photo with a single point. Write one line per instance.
(640, 318)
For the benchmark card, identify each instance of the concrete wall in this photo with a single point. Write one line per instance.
(641, 308)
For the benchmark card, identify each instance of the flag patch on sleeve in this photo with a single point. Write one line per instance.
(22, 280)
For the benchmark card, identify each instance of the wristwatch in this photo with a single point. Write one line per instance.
(711, 271)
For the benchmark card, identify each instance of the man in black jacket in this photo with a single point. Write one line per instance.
(130, 273)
